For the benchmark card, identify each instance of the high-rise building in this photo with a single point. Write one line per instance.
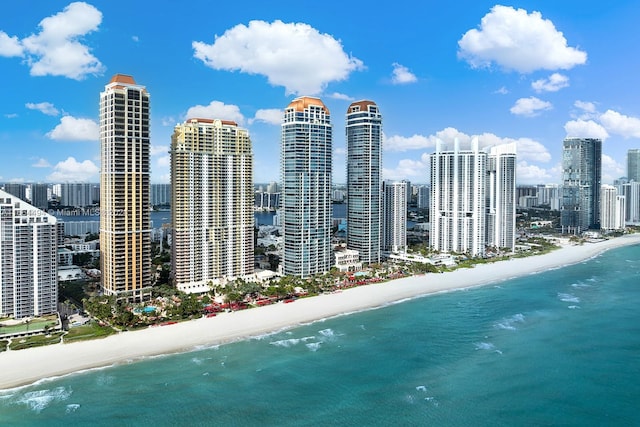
(633, 164)
(160, 194)
(612, 210)
(549, 195)
(40, 196)
(16, 189)
(125, 223)
(364, 169)
(422, 200)
(458, 205)
(631, 193)
(28, 259)
(77, 194)
(501, 196)
(305, 200)
(394, 216)
(581, 179)
(212, 203)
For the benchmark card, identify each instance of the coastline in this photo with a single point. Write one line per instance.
(31, 365)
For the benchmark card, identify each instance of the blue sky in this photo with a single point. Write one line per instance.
(532, 72)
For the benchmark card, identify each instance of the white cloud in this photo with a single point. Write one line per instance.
(164, 161)
(585, 129)
(401, 75)
(272, 116)
(9, 46)
(293, 55)
(156, 150)
(530, 107)
(531, 174)
(586, 111)
(44, 107)
(41, 163)
(553, 83)
(56, 51)
(611, 169)
(216, 110)
(70, 170)
(75, 129)
(340, 151)
(626, 126)
(516, 40)
(341, 96)
(11, 115)
(587, 107)
(413, 170)
(169, 121)
(527, 148)
(502, 91)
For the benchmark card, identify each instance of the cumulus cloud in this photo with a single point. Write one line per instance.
(11, 115)
(341, 96)
(56, 49)
(10, 46)
(527, 148)
(401, 75)
(619, 124)
(75, 129)
(216, 110)
(70, 170)
(553, 83)
(272, 116)
(44, 107)
(585, 110)
(164, 161)
(514, 39)
(611, 169)
(585, 129)
(531, 174)
(41, 163)
(502, 91)
(293, 55)
(413, 170)
(530, 107)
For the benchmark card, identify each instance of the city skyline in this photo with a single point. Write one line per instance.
(445, 76)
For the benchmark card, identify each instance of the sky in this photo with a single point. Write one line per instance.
(529, 72)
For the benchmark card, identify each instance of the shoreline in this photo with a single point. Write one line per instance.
(32, 365)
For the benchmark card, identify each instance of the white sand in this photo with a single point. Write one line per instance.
(27, 366)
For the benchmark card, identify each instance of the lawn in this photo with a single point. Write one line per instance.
(34, 324)
(88, 332)
(35, 341)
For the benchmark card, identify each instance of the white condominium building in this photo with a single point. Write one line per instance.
(612, 208)
(28, 259)
(501, 196)
(212, 203)
(394, 216)
(305, 200)
(125, 222)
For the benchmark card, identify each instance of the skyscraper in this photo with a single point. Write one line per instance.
(305, 201)
(394, 216)
(28, 259)
(612, 210)
(40, 195)
(458, 191)
(633, 164)
(16, 189)
(125, 223)
(212, 203)
(364, 168)
(501, 196)
(581, 179)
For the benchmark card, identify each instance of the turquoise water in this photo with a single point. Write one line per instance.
(559, 348)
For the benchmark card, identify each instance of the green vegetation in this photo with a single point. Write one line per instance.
(89, 331)
(35, 341)
(3, 345)
(34, 324)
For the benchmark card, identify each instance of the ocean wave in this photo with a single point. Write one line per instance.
(421, 388)
(573, 307)
(568, 298)
(581, 285)
(327, 333)
(313, 346)
(484, 346)
(508, 323)
(38, 400)
(72, 407)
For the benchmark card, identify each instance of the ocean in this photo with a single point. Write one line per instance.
(561, 348)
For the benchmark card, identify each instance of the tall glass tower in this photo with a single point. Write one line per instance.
(364, 192)
(125, 222)
(305, 200)
(633, 164)
(581, 179)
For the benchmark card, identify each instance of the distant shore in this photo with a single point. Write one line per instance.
(23, 367)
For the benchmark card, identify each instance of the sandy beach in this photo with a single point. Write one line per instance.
(27, 366)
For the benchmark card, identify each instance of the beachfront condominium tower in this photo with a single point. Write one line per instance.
(457, 205)
(305, 197)
(211, 204)
(501, 196)
(125, 223)
(28, 259)
(581, 179)
(633, 164)
(364, 168)
(612, 209)
(394, 216)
